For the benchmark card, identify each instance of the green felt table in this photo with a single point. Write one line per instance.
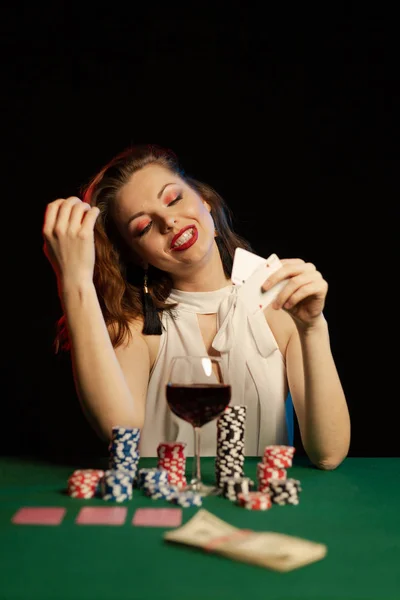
(354, 510)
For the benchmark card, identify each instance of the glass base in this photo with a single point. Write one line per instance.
(202, 489)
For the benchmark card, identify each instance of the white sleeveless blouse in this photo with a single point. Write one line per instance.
(251, 356)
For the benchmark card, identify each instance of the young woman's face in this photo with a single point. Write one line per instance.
(164, 221)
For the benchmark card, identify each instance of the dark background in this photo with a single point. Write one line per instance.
(291, 116)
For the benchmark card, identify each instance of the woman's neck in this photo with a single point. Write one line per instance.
(205, 278)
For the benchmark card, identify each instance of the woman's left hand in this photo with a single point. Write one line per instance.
(303, 296)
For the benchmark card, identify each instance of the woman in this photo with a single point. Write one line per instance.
(143, 267)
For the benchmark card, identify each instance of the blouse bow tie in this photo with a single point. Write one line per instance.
(232, 315)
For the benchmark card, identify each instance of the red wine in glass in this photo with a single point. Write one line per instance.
(198, 403)
(198, 391)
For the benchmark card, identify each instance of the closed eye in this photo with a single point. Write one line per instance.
(179, 197)
(148, 226)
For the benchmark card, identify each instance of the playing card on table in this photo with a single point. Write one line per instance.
(101, 515)
(157, 517)
(39, 515)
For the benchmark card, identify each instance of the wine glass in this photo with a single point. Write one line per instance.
(197, 391)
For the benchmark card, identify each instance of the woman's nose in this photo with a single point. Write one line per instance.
(169, 223)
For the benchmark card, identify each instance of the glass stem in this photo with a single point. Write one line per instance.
(196, 474)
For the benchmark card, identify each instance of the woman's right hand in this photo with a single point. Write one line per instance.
(69, 239)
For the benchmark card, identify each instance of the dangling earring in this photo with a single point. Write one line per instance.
(152, 323)
(215, 233)
(145, 280)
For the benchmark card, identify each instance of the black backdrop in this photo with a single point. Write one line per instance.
(292, 117)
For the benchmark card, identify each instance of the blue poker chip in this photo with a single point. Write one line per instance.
(124, 452)
(152, 475)
(187, 499)
(120, 465)
(116, 486)
(123, 434)
(161, 491)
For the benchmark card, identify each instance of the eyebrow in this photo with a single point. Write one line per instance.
(141, 213)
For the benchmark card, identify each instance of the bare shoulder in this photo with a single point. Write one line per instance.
(282, 326)
(134, 342)
(150, 343)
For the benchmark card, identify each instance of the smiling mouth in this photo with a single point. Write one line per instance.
(186, 239)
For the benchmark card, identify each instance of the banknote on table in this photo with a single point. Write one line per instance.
(276, 551)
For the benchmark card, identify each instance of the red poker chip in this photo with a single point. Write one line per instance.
(278, 463)
(264, 471)
(83, 479)
(265, 474)
(176, 476)
(171, 449)
(88, 472)
(180, 483)
(172, 457)
(81, 485)
(82, 495)
(282, 451)
(83, 482)
(255, 500)
(81, 492)
(174, 469)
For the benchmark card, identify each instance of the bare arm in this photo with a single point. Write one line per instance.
(111, 384)
(317, 393)
(318, 397)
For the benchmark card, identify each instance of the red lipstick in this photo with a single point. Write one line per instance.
(187, 244)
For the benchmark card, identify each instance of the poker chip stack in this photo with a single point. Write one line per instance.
(154, 482)
(233, 486)
(116, 485)
(118, 481)
(187, 499)
(161, 491)
(255, 500)
(276, 460)
(279, 457)
(171, 458)
(124, 450)
(284, 492)
(84, 483)
(151, 476)
(229, 461)
(272, 475)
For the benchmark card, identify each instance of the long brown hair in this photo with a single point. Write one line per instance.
(118, 281)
